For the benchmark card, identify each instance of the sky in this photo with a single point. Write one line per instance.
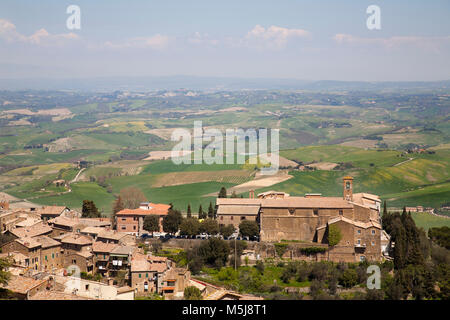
(308, 40)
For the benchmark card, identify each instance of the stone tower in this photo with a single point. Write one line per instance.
(348, 188)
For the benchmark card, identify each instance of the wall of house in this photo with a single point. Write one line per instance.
(33, 254)
(235, 220)
(51, 258)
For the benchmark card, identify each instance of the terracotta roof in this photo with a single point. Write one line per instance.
(111, 234)
(302, 202)
(141, 263)
(92, 230)
(103, 247)
(28, 242)
(56, 295)
(79, 239)
(28, 222)
(47, 242)
(239, 201)
(22, 285)
(237, 209)
(52, 210)
(33, 231)
(64, 221)
(359, 224)
(123, 250)
(156, 208)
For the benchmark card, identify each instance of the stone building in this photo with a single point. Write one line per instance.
(132, 220)
(306, 219)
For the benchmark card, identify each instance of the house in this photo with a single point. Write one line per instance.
(113, 236)
(49, 212)
(38, 229)
(146, 275)
(132, 220)
(120, 260)
(102, 251)
(27, 246)
(234, 210)
(10, 218)
(77, 251)
(174, 282)
(24, 288)
(51, 257)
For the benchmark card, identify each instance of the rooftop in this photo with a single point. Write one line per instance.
(156, 209)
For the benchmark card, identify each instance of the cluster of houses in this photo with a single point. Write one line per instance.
(48, 242)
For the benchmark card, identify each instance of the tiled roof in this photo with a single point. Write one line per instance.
(74, 238)
(64, 221)
(22, 285)
(103, 247)
(302, 202)
(237, 209)
(111, 234)
(156, 209)
(46, 242)
(123, 250)
(52, 210)
(28, 242)
(33, 231)
(92, 230)
(359, 224)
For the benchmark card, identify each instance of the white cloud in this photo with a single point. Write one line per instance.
(199, 38)
(426, 43)
(274, 36)
(158, 42)
(9, 33)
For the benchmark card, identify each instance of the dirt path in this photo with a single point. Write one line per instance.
(397, 164)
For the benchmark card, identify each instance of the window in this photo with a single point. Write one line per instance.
(373, 243)
(46, 258)
(139, 275)
(124, 219)
(146, 275)
(316, 212)
(231, 218)
(373, 232)
(87, 287)
(242, 218)
(134, 227)
(347, 185)
(341, 212)
(124, 228)
(221, 217)
(359, 241)
(74, 261)
(359, 231)
(53, 256)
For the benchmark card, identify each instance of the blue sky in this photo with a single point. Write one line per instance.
(311, 40)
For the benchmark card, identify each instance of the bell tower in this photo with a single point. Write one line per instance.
(348, 188)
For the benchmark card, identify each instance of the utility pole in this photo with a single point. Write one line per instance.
(235, 255)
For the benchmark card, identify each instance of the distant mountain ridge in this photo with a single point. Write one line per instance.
(209, 83)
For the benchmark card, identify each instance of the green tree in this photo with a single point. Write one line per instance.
(249, 228)
(210, 211)
(89, 210)
(171, 222)
(116, 207)
(189, 213)
(190, 227)
(200, 212)
(349, 278)
(5, 275)
(384, 208)
(209, 226)
(151, 223)
(192, 293)
(214, 252)
(222, 193)
(226, 231)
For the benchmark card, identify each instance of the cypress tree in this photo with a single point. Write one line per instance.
(189, 213)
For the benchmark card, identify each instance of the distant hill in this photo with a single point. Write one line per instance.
(208, 83)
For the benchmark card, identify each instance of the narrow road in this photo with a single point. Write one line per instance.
(397, 164)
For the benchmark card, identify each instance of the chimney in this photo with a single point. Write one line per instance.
(348, 188)
(251, 194)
